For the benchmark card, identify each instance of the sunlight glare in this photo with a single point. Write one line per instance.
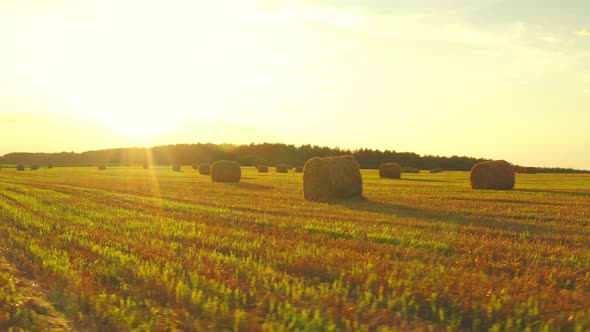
(137, 126)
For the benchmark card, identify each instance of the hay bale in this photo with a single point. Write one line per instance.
(196, 166)
(20, 167)
(102, 167)
(35, 167)
(226, 171)
(298, 169)
(390, 171)
(332, 178)
(283, 168)
(262, 169)
(410, 170)
(146, 166)
(496, 174)
(176, 168)
(204, 169)
(436, 170)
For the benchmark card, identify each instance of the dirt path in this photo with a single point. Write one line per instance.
(27, 298)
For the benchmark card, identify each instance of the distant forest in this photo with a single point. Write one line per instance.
(249, 154)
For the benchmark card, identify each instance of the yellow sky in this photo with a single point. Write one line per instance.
(452, 77)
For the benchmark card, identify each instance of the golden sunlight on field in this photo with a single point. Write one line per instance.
(155, 249)
(294, 165)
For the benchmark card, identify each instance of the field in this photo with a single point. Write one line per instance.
(135, 249)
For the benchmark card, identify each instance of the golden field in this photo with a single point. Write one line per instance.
(155, 250)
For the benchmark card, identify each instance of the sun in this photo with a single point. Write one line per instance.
(134, 126)
(138, 126)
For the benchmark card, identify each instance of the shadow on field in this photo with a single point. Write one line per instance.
(364, 204)
(423, 180)
(250, 186)
(542, 191)
(508, 201)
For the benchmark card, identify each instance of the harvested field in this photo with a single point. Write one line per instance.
(131, 249)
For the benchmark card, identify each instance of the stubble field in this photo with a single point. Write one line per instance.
(136, 249)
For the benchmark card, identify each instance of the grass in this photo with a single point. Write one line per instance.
(135, 249)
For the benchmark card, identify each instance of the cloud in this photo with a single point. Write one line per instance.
(550, 39)
(582, 33)
(388, 7)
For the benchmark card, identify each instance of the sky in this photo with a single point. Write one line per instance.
(499, 79)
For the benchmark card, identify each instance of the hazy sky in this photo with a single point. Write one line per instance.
(489, 78)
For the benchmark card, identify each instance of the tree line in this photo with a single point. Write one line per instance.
(248, 154)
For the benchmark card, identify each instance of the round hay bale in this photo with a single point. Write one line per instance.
(176, 167)
(35, 167)
(262, 169)
(102, 167)
(204, 169)
(332, 178)
(283, 168)
(226, 171)
(436, 170)
(496, 174)
(298, 169)
(20, 167)
(390, 171)
(196, 166)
